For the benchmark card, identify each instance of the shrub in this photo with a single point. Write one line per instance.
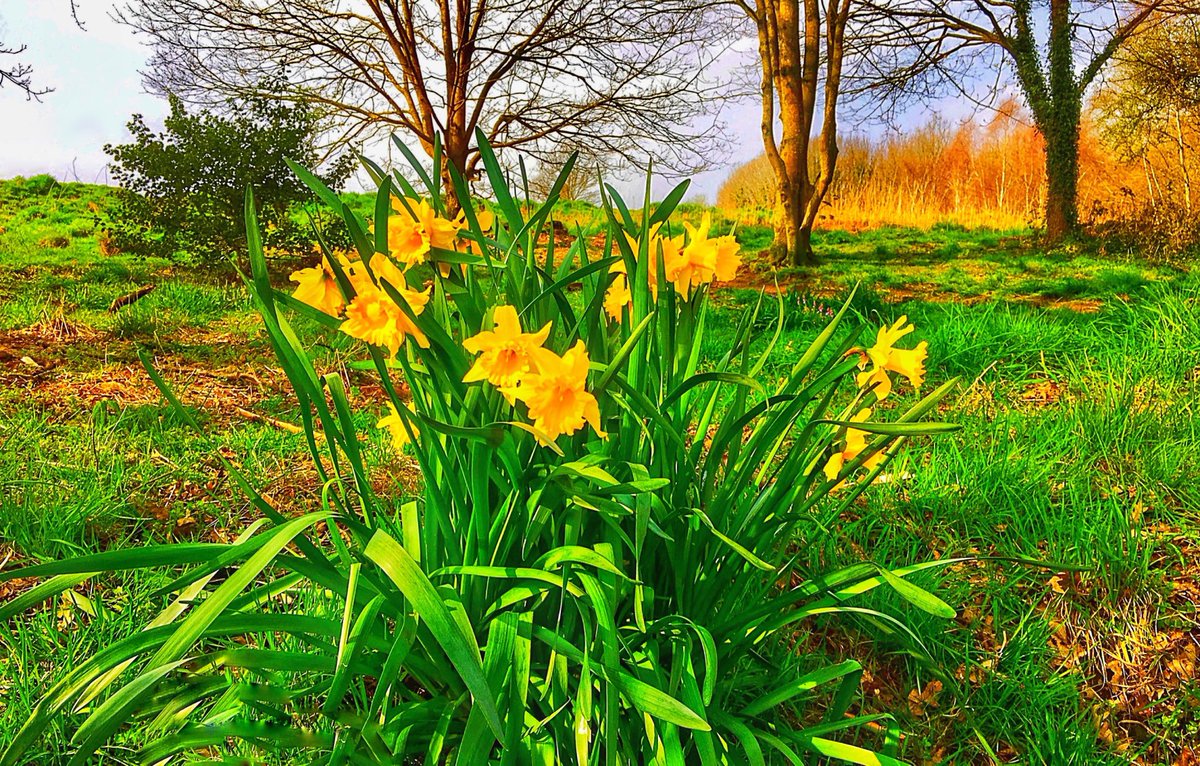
(35, 186)
(597, 567)
(183, 189)
(1164, 232)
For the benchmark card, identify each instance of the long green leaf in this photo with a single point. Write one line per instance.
(416, 587)
(918, 596)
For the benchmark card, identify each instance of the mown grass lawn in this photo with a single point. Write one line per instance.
(1079, 404)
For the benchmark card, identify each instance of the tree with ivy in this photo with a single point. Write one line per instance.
(1055, 50)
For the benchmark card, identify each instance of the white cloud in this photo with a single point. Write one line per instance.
(94, 73)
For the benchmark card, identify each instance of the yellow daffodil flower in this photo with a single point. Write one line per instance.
(395, 426)
(407, 243)
(417, 229)
(556, 394)
(358, 276)
(687, 266)
(374, 318)
(704, 258)
(506, 353)
(438, 231)
(728, 259)
(318, 288)
(885, 357)
(856, 442)
(486, 220)
(692, 265)
(618, 296)
(385, 268)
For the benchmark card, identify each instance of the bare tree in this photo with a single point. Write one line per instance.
(619, 77)
(581, 184)
(19, 74)
(1055, 51)
(1151, 102)
(801, 46)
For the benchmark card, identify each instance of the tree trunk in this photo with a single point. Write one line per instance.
(1183, 164)
(793, 235)
(790, 43)
(454, 153)
(1059, 123)
(1062, 179)
(802, 251)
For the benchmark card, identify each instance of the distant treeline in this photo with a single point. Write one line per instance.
(987, 173)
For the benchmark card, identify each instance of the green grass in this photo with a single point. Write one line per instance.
(948, 263)
(1097, 474)
(1079, 404)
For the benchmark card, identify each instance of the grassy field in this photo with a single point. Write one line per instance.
(1080, 413)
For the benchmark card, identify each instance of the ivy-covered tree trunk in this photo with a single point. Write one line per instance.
(1059, 123)
(1062, 175)
(920, 43)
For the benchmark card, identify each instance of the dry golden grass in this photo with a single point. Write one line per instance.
(975, 174)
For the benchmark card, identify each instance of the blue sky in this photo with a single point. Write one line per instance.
(97, 89)
(94, 73)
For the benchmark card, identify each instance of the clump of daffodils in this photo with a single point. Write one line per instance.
(551, 387)
(877, 364)
(690, 261)
(378, 311)
(516, 361)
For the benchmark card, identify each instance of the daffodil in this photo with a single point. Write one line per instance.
(618, 296)
(375, 318)
(486, 220)
(395, 426)
(407, 243)
(556, 394)
(417, 229)
(318, 288)
(652, 249)
(884, 357)
(695, 263)
(439, 232)
(358, 276)
(855, 443)
(505, 352)
(728, 259)
(386, 270)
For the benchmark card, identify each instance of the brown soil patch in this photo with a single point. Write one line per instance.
(67, 368)
(57, 387)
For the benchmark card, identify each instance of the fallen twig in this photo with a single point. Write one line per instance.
(283, 425)
(132, 297)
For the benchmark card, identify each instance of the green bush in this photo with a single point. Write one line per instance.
(182, 190)
(597, 568)
(22, 188)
